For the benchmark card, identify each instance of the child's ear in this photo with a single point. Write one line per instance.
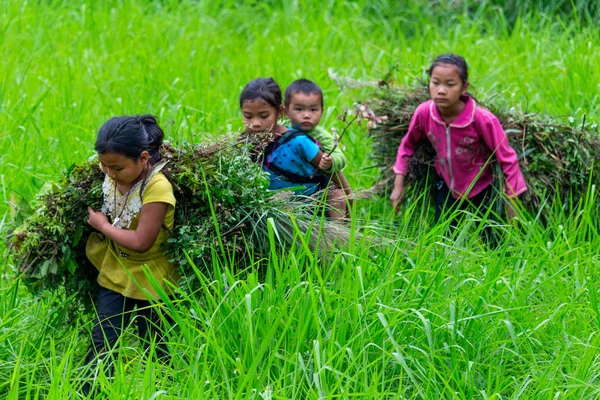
(282, 111)
(144, 157)
(465, 88)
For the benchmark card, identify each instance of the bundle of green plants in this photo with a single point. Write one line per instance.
(224, 209)
(557, 158)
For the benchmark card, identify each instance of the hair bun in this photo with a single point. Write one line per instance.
(130, 136)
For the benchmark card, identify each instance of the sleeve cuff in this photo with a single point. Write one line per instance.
(517, 193)
(398, 171)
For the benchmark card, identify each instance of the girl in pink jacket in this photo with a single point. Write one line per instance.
(464, 136)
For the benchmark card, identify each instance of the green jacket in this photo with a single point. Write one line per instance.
(326, 140)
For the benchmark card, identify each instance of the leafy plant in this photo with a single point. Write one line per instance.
(223, 207)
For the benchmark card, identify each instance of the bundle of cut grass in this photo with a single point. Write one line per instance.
(555, 157)
(223, 207)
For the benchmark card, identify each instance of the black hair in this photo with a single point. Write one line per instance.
(453, 59)
(303, 86)
(262, 88)
(130, 136)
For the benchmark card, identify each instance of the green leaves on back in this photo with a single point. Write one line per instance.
(48, 248)
(555, 158)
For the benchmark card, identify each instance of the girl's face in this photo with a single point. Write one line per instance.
(259, 116)
(122, 169)
(446, 87)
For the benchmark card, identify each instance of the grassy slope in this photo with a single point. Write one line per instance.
(419, 317)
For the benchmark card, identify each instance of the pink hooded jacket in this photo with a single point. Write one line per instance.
(463, 148)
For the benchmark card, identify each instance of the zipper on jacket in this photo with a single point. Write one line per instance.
(449, 154)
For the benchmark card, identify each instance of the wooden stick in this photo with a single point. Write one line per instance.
(343, 131)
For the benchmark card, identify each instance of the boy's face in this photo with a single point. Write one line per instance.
(304, 110)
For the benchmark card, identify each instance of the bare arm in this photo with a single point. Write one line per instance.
(140, 240)
(398, 192)
(315, 161)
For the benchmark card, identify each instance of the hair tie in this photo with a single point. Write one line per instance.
(447, 59)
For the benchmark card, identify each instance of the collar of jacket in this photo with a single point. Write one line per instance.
(464, 119)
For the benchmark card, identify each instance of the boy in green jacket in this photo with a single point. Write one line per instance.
(304, 106)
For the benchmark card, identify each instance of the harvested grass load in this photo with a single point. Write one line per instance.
(555, 157)
(223, 207)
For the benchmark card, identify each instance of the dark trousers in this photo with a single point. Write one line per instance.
(114, 312)
(445, 204)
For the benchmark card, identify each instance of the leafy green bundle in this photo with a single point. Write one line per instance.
(556, 158)
(223, 208)
(48, 247)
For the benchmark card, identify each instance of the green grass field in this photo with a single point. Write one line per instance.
(413, 316)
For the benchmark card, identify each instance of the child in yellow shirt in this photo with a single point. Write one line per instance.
(136, 218)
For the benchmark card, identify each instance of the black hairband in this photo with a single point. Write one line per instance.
(447, 59)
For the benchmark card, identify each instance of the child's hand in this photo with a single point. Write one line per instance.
(396, 198)
(97, 219)
(511, 211)
(326, 162)
(397, 193)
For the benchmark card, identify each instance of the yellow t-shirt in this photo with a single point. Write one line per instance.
(121, 269)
